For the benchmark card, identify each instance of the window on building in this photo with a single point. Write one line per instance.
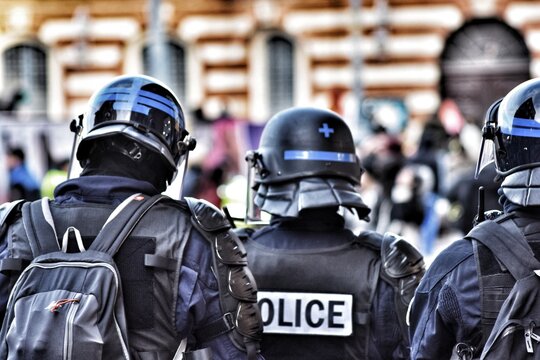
(174, 64)
(280, 73)
(25, 77)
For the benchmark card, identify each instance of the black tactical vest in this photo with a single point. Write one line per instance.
(315, 303)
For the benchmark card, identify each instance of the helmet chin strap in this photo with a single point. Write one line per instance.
(523, 187)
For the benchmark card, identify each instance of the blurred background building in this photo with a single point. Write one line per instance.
(391, 64)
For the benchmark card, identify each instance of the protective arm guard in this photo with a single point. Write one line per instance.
(403, 267)
(238, 290)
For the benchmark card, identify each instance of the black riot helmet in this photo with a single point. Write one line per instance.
(305, 142)
(513, 127)
(141, 109)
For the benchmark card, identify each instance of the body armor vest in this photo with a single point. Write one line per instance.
(322, 295)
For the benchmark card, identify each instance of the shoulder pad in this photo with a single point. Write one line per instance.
(399, 257)
(207, 215)
(8, 208)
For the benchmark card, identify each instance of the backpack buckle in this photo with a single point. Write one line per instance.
(464, 351)
(228, 319)
(529, 337)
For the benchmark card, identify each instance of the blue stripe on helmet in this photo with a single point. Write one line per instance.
(125, 99)
(522, 127)
(159, 98)
(533, 133)
(156, 105)
(127, 107)
(116, 90)
(525, 123)
(319, 155)
(112, 97)
(130, 92)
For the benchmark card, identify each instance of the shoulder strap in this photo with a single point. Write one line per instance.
(39, 226)
(37, 219)
(122, 221)
(508, 244)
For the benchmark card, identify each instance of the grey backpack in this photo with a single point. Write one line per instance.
(70, 305)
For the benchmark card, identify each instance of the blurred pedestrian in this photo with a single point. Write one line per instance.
(22, 183)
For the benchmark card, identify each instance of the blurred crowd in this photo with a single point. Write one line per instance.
(425, 188)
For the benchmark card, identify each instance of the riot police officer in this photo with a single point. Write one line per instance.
(324, 292)
(176, 286)
(457, 302)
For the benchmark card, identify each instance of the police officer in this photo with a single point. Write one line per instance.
(324, 292)
(457, 302)
(133, 141)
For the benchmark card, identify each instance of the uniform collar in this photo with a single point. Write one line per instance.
(315, 221)
(100, 189)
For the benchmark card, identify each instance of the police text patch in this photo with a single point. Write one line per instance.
(306, 313)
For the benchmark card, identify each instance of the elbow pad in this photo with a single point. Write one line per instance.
(402, 264)
(242, 320)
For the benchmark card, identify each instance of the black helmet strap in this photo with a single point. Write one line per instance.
(255, 161)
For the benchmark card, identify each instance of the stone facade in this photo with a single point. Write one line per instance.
(370, 48)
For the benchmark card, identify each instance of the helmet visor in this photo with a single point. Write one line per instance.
(150, 112)
(486, 157)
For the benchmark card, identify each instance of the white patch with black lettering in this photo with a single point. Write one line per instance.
(306, 313)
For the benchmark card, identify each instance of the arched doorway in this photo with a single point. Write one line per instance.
(480, 63)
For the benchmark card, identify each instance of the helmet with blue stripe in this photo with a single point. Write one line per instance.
(512, 125)
(304, 142)
(142, 109)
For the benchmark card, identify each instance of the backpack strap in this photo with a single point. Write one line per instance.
(508, 244)
(122, 221)
(37, 219)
